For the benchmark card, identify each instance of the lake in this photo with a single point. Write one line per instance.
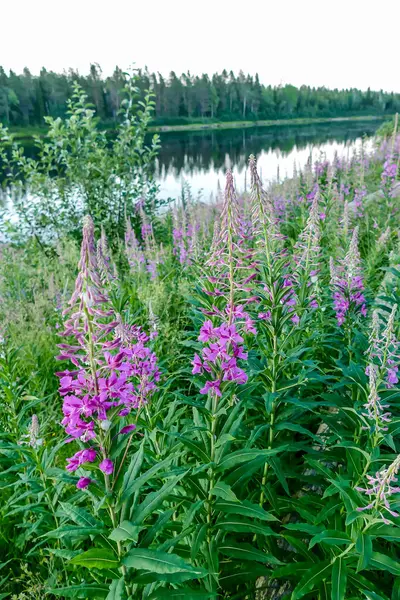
(200, 159)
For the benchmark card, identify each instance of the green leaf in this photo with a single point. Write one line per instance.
(330, 537)
(339, 579)
(304, 527)
(245, 508)
(195, 447)
(242, 526)
(248, 552)
(62, 553)
(133, 469)
(364, 548)
(155, 499)
(181, 594)
(70, 531)
(311, 579)
(125, 531)
(294, 568)
(372, 595)
(396, 590)
(161, 562)
(198, 538)
(117, 590)
(385, 563)
(136, 484)
(96, 558)
(92, 590)
(360, 582)
(221, 490)
(246, 455)
(79, 515)
(388, 532)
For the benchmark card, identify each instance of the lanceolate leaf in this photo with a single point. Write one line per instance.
(242, 526)
(73, 532)
(339, 579)
(133, 469)
(125, 531)
(98, 558)
(136, 484)
(93, 590)
(80, 516)
(117, 590)
(154, 500)
(223, 491)
(364, 548)
(245, 508)
(381, 561)
(161, 562)
(330, 537)
(242, 456)
(247, 552)
(311, 579)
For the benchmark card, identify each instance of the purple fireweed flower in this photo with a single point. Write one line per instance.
(265, 316)
(107, 466)
(212, 386)
(389, 175)
(114, 367)
(133, 251)
(229, 264)
(359, 195)
(127, 429)
(80, 458)
(380, 489)
(83, 483)
(197, 365)
(347, 283)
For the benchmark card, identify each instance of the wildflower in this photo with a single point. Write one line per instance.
(347, 283)
(83, 483)
(133, 252)
(213, 386)
(375, 410)
(80, 458)
(127, 429)
(223, 343)
(114, 367)
(380, 489)
(107, 466)
(34, 430)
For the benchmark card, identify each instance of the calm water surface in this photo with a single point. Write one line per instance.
(201, 158)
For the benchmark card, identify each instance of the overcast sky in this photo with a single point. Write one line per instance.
(346, 43)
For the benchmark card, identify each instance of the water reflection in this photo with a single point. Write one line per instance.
(201, 158)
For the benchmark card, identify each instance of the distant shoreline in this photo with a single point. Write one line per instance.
(29, 132)
(262, 123)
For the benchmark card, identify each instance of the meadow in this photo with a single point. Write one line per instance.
(199, 399)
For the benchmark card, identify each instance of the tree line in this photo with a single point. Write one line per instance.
(25, 99)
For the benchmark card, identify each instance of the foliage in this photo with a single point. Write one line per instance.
(265, 457)
(79, 171)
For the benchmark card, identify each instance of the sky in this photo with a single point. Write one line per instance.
(346, 43)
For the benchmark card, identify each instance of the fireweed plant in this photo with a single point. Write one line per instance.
(224, 422)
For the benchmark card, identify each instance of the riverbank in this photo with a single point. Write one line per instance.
(263, 123)
(30, 132)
